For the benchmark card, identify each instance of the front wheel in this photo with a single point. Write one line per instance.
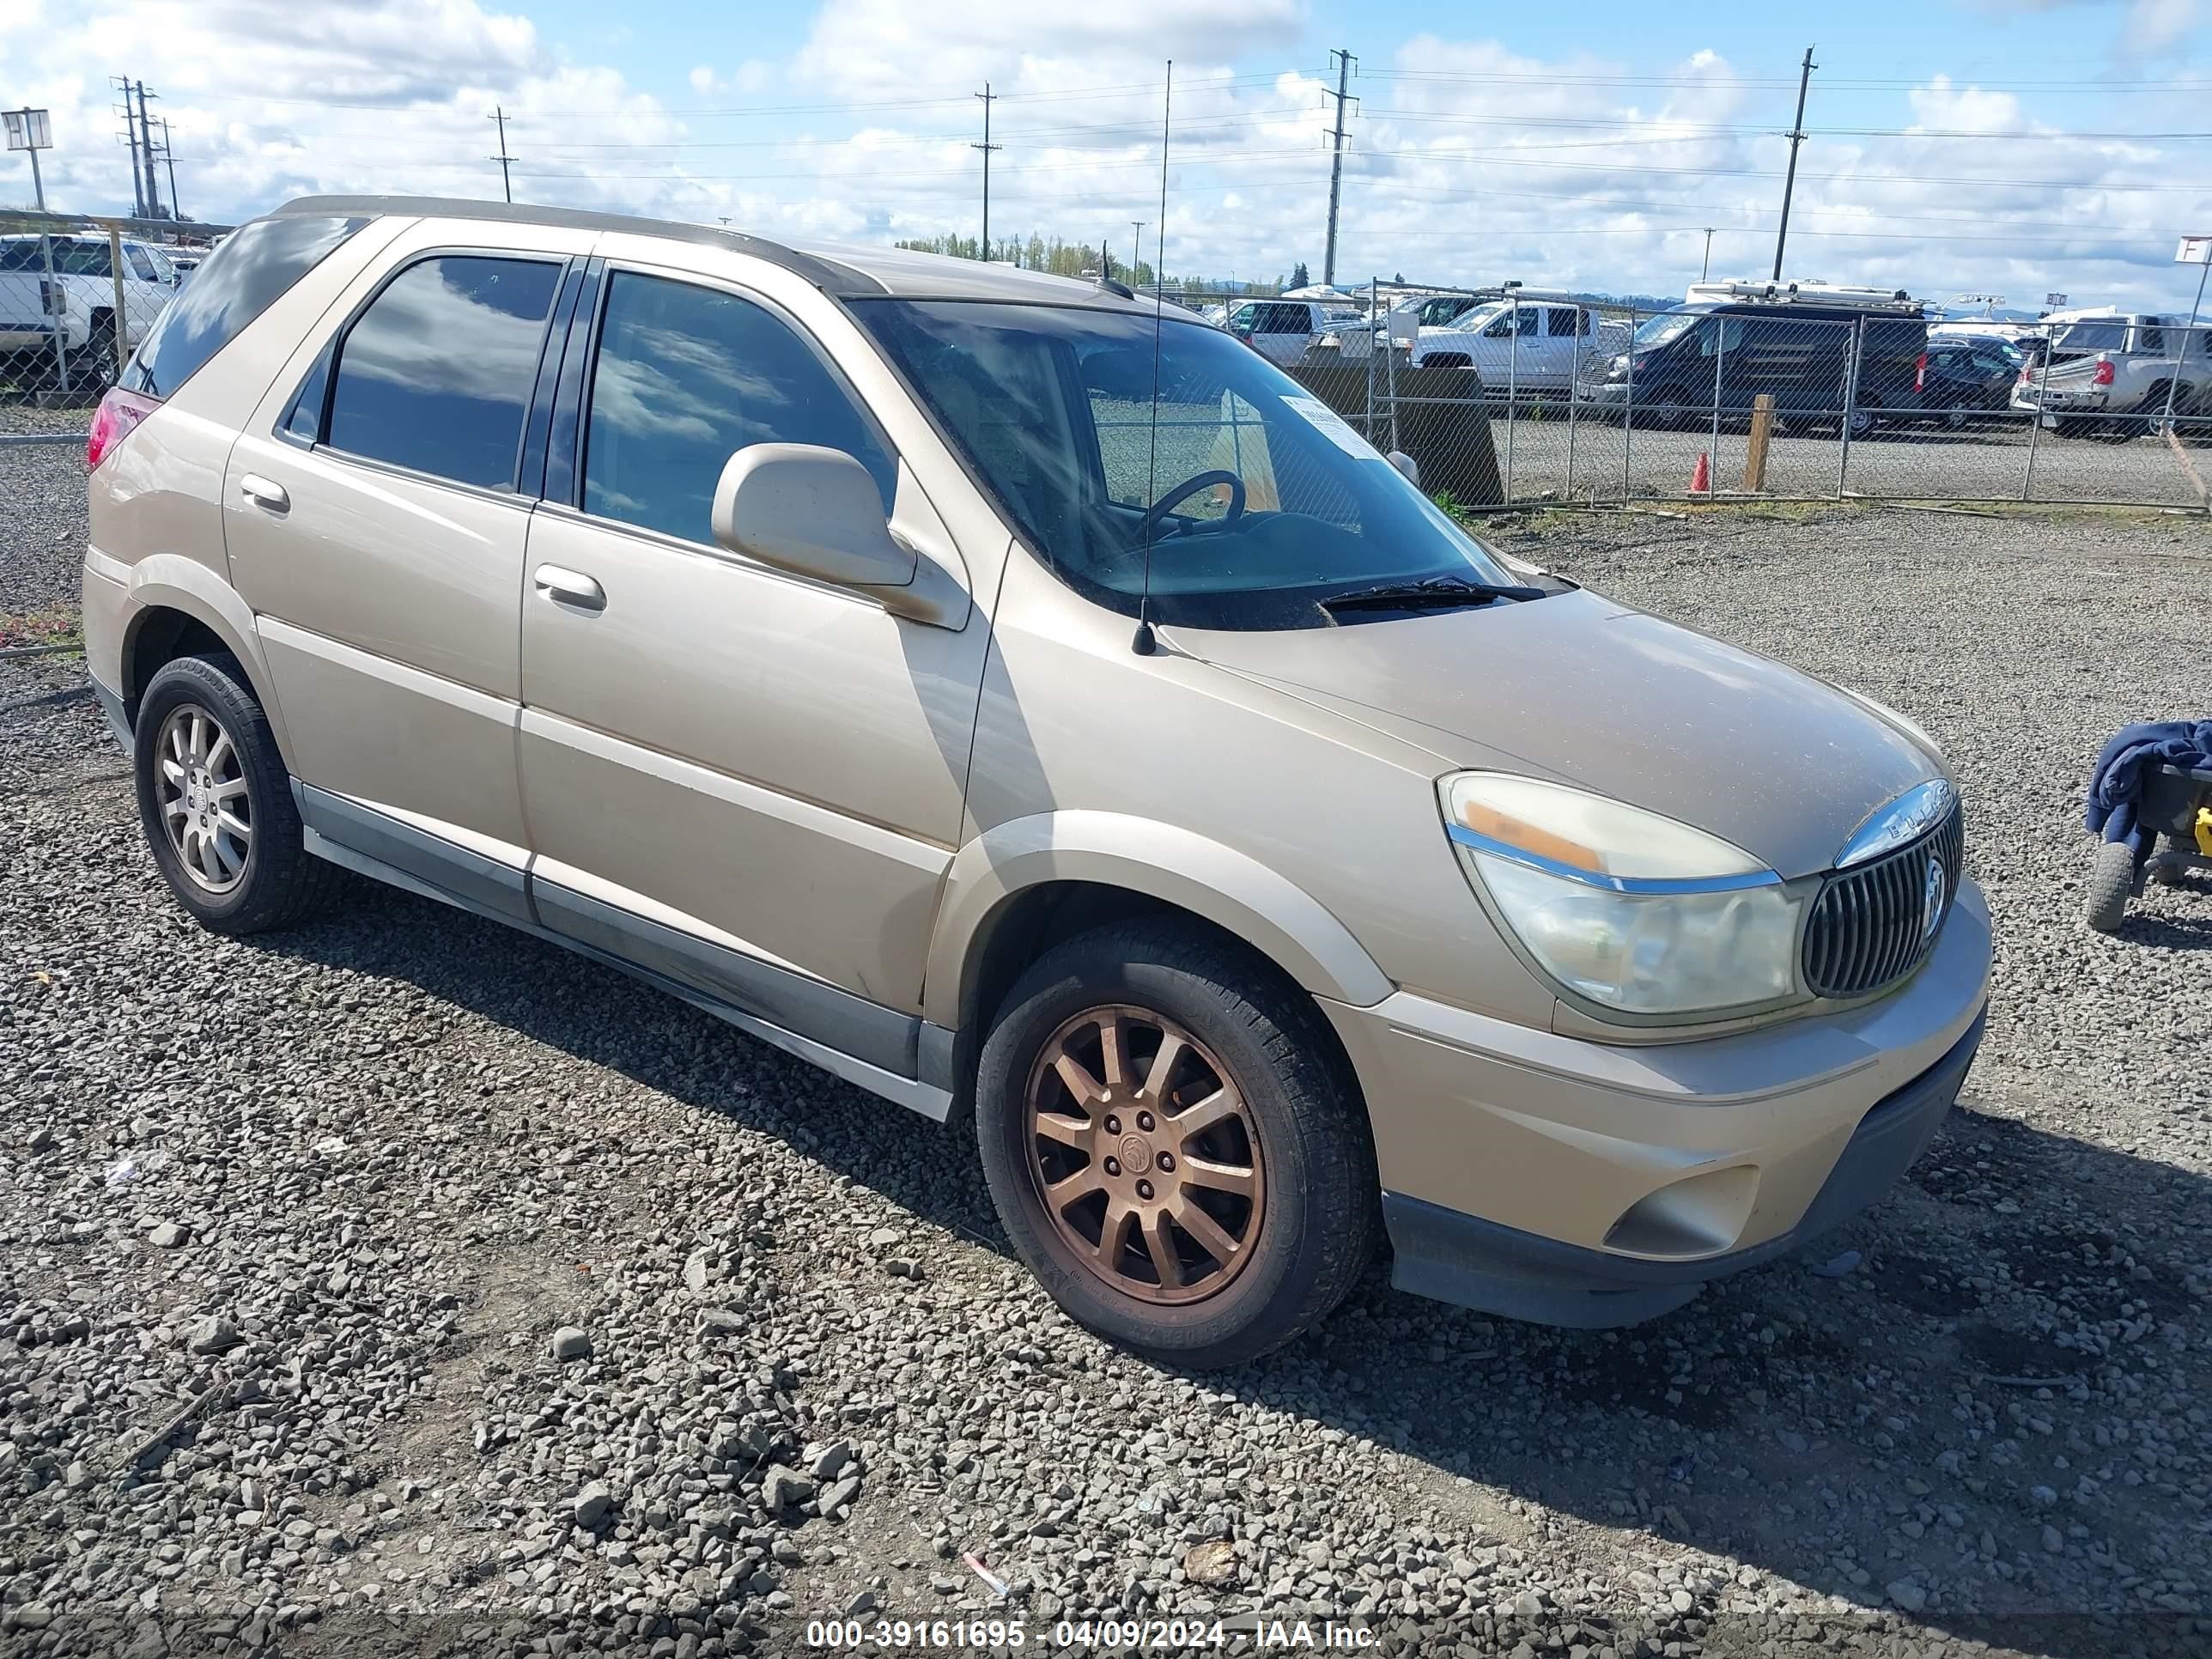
(2111, 879)
(1175, 1145)
(214, 800)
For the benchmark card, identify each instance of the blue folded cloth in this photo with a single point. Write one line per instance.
(2117, 781)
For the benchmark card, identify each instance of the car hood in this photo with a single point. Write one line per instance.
(1576, 688)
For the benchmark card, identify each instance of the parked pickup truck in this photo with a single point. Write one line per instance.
(1535, 346)
(2109, 365)
(66, 289)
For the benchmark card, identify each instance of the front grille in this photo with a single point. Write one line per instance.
(1869, 927)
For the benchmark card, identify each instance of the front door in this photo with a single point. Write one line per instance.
(375, 522)
(750, 780)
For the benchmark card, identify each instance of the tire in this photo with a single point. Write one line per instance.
(95, 360)
(2172, 875)
(1669, 412)
(1282, 1100)
(2112, 878)
(200, 736)
(1956, 416)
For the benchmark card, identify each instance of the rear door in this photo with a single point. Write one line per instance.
(375, 516)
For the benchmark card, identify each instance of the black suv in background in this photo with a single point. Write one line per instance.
(1817, 358)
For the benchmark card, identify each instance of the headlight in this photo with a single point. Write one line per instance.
(1622, 906)
(1913, 727)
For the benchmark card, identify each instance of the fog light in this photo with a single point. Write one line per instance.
(1699, 1215)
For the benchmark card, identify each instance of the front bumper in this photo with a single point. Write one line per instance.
(1544, 1176)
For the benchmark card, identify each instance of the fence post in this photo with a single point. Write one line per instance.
(122, 315)
(2035, 413)
(1512, 390)
(1628, 410)
(1755, 444)
(1375, 319)
(1582, 315)
(1852, 354)
(1391, 389)
(56, 301)
(2173, 380)
(1720, 357)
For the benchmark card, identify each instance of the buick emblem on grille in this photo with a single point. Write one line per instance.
(1931, 901)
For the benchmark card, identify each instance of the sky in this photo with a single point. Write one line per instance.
(2014, 147)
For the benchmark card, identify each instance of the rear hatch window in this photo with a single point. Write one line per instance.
(241, 280)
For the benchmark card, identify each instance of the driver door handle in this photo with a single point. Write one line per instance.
(570, 587)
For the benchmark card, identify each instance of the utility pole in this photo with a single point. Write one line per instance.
(506, 181)
(169, 156)
(987, 147)
(146, 156)
(1136, 242)
(1707, 270)
(130, 138)
(1345, 60)
(1790, 179)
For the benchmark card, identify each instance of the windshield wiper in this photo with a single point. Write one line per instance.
(1438, 593)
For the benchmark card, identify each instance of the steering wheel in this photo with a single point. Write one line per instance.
(1188, 487)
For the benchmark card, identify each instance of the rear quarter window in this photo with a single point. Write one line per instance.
(241, 280)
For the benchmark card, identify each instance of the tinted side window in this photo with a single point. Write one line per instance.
(437, 375)
(141, 266)
(79, 257)
(686, 376)
(239, 281)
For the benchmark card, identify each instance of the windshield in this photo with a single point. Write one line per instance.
(1263, 503)
(1667, 326)
(1468, 322)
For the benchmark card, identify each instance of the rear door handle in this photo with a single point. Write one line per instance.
(265, 493)
(570, 587)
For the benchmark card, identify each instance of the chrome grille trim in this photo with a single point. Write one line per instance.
(1866, 930)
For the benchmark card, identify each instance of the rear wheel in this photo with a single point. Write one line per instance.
(2112, 878)
(214, 800)
(1174, 1144)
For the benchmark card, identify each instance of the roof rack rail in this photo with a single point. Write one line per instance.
(1741, 290)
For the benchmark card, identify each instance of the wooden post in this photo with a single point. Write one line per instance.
(1754, 452)
(122, 317)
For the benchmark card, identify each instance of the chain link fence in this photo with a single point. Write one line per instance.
(77, 295)
(1508, 397)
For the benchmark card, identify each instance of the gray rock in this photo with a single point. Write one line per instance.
(2054, 1541)
(592, 1505)
(570, 1343)
(41, 1140)
(168, 1236)
(832, 1458)
(781, 1487)
(1907, 1593)
(212, 1334)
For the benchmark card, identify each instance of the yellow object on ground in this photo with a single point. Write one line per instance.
(2205, 830)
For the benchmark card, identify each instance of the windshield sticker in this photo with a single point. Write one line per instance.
(1334, 426)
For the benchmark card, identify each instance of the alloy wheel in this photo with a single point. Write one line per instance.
(1145, 1154)
(201, 790)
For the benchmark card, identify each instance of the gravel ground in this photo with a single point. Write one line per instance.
(402, 1285)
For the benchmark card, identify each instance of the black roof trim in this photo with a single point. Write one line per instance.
(841, 281)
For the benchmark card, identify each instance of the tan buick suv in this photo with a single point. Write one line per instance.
(1043, 713)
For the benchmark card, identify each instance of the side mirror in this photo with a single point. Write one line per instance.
(1407, 465)
(812, 511)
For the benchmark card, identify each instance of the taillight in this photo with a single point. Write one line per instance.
(2104, 374)
(117, 417)
(1920, 374)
